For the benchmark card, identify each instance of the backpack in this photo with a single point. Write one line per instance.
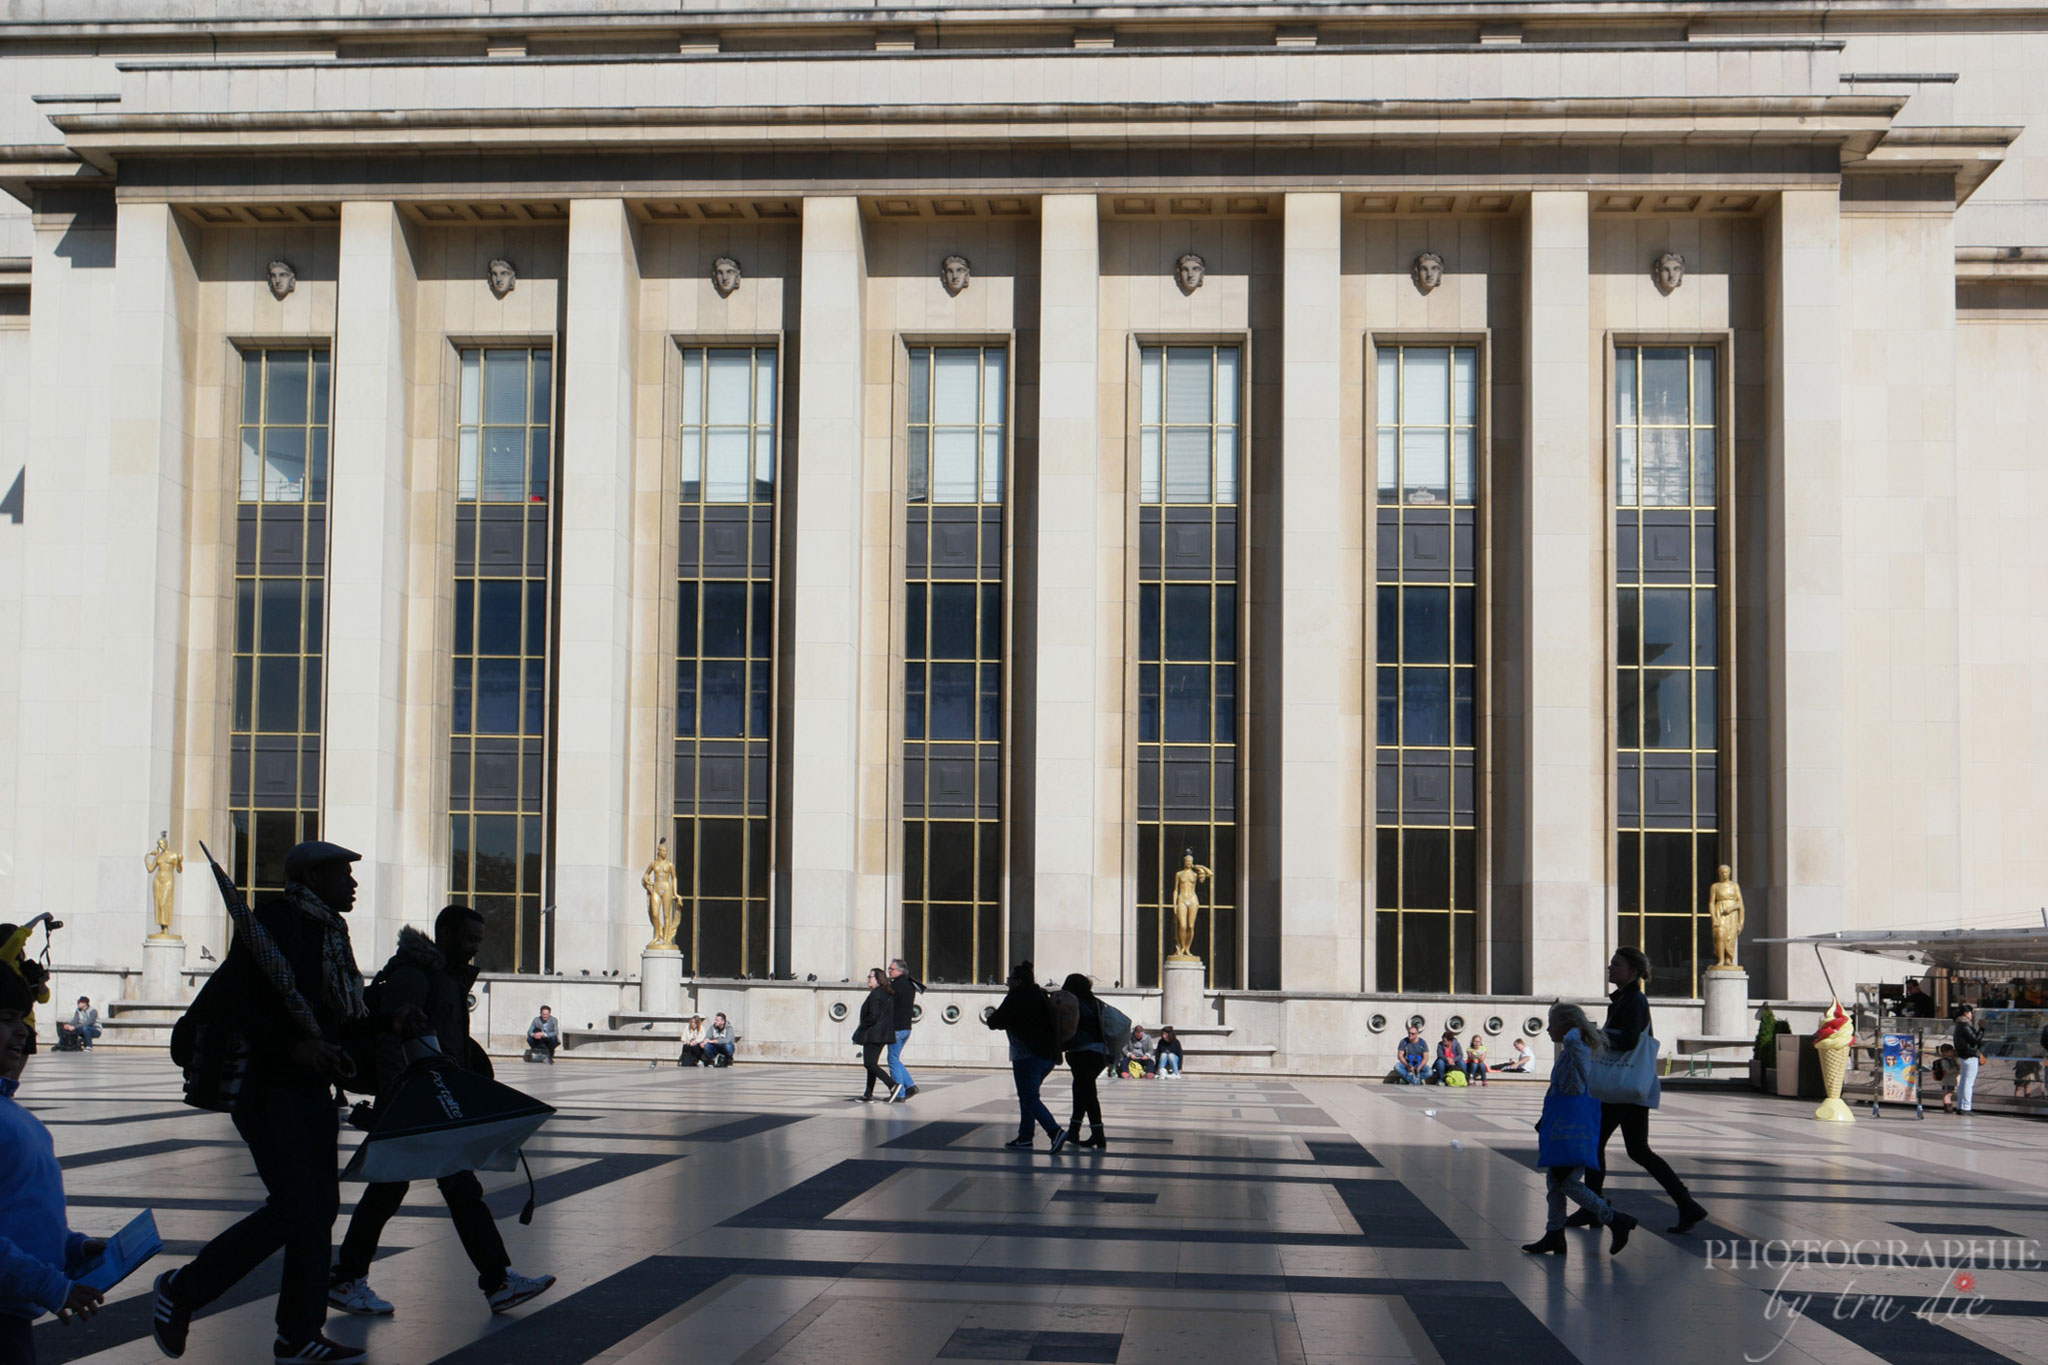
(1116, 1027)
(1066, 1016)
(1455, 1078)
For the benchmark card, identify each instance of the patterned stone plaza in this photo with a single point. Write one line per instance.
(758, 1214)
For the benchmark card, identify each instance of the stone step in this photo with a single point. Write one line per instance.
(1708, 1042)
(170, 1007)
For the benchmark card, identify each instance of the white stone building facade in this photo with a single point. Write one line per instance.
(621, 455)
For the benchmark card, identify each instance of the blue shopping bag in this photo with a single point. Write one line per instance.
(1569, 1134)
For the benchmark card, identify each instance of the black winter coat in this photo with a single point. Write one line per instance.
(1628, 1017)
(1026, 1015)
(241, 997)
(876, 1014)
(419, 973)
(905, 988)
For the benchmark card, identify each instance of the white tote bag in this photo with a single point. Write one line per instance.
(1627, 1077)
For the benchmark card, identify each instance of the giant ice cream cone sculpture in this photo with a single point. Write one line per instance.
(1831, 1040)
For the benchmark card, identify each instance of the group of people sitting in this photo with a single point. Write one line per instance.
(1416, 1063)
(711, 1046)
(1145, 1056)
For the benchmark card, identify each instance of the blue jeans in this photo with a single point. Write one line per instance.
(713, 1051)
(898, 1072)
(1414, 1075)
(1966, 1091)
(1169, 1062)
(1030, 1073)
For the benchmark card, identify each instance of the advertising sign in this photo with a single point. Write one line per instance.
(1901, 1068)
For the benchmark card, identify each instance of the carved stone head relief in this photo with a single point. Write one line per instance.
(504, 279)
(1668, 272)
(1189, 272)
(1427, 271)
(956, 273)
(283, 279)
(725, 276)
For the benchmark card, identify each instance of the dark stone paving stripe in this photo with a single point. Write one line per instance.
(1955, 1229)
(1906, 1339)
(135, 1151)
(1339, 1153)
(932, 1137)
(742, 1128)
(1484, 1324)
(1473, 1322)
(1387, 1213)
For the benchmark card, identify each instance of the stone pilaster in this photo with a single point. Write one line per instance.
(1321, 757)
(593, 848)
(822, 675)
(1803, 318)
(1564, 587)
(1068, 882)
(368, 558)
(143, 571)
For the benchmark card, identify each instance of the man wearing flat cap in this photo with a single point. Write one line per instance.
(288, 995)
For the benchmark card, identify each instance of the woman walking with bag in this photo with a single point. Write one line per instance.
(1087, 1055)
(1026, 1014)
(1567, 1143)
(1628, 1019)
(876, 1031)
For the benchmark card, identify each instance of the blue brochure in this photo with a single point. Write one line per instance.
(126, 1251)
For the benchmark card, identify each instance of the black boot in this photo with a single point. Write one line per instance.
(1097, 1138)
(1580, 1219)
(1690, 1215)
(1549, 1244)
(1619, 1230)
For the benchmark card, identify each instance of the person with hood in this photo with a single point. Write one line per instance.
(877, 1027)
(291, 994)
(1087, 1056)
(1171, 1054)
(39, 1254)
(1026, 1016)
(14, 955)
(425, 994)
(83, 1028)
(720, 1041)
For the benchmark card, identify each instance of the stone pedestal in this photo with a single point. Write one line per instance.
(1728, 1013)
(1184, 988)
(661, 981)
(163, 966)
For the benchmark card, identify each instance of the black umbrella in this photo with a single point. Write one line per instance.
(441, 1120)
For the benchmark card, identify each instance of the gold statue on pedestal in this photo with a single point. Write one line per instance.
(664, 910)
(1724, 907)
(164, 867)
(1186, 905)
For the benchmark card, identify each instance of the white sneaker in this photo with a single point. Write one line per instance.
(517, 1289)
(896, 1095)
(356, 1296)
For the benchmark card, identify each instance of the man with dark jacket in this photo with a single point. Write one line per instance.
(905, 988)
(292, 993)
(1970, 1051)
(1026, 1015)
(425, 992)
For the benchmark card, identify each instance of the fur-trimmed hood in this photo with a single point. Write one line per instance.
(418, 949)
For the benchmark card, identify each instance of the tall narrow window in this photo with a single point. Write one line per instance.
(725, 654)
(953, 664)
(1427, 604)
(1667, 674)
(1189, 440)
(498, 787)
(280, 625)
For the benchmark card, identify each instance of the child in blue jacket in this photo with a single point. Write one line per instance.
(39, 1253)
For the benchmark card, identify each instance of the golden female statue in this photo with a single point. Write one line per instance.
(1186, 905)
(164, 867)
(664, 911)
(1724, 907)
